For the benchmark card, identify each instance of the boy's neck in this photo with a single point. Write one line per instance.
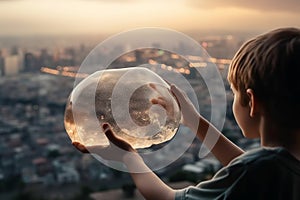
(275, 137)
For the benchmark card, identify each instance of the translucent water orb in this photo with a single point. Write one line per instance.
(135, 101)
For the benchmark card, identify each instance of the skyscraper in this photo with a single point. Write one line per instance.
(11, 65)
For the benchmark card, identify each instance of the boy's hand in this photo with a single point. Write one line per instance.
(116, 150)
(189, 114)
(162, 101)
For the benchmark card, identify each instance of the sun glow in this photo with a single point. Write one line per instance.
(96, 16)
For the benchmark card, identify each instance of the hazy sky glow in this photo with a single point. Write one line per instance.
(34, 17)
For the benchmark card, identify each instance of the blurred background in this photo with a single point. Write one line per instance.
(43, 43)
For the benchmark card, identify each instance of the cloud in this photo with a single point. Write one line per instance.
(261, 5)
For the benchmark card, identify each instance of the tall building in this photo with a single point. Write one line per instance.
(30, 63)
(11, 65)
(16, 51)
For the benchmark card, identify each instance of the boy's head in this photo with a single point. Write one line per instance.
(269, 64)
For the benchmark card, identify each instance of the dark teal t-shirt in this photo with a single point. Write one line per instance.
(258, 174)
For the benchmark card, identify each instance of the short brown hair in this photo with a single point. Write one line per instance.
(270, 65)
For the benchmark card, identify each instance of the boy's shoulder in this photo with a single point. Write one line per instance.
(259, 154)
(257, 174)
(271, 159)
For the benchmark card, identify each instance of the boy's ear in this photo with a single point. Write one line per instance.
(253, 102)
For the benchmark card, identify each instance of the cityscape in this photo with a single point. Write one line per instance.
(37, 160)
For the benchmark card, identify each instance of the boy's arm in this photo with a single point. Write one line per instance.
(224, 150)
(147, 182)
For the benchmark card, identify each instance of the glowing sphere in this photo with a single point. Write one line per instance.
(124, 99)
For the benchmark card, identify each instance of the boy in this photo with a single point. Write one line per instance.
(264, 77)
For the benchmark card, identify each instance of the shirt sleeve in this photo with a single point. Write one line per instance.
(219, 187)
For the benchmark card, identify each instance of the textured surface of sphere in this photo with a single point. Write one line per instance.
(122, 98)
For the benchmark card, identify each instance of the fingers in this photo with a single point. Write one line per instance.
(80, 147)
(176, 91)
(108, 133)
(158, 87)
(116, 140)
(152, 85)
(160, 101)
(177, 94)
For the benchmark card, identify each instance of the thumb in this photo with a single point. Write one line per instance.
(115, 140)
(109, 134)
(179, 94)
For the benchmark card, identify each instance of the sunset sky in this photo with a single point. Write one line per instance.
(48, 17)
